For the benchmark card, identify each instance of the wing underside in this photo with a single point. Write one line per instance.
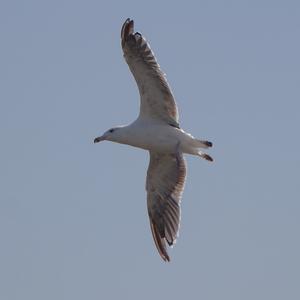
(165, 182)
(157, 100)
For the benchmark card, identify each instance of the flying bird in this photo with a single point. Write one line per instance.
(157, 130)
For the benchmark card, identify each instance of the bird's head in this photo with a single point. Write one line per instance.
(112, 135)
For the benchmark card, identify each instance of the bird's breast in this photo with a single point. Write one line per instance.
(160, 138)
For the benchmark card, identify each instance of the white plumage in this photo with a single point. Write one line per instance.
(156, 130)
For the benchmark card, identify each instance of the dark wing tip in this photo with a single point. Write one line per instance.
(159, 242)
(127, 30)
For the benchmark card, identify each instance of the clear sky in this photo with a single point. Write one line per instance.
(73, 219)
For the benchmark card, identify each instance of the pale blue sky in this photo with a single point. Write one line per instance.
(73, 219)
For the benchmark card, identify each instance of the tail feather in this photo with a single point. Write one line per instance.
(202, 144)
(205, 156)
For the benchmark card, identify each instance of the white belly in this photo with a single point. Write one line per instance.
(158, 137)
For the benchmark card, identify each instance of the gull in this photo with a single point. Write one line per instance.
(157, 130)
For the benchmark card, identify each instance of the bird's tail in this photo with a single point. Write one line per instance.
(205, 156)
(201, 144)
(196, 144)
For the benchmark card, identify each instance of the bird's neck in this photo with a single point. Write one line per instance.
(129, 135)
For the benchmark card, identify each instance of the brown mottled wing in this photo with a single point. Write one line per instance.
(157, 101)
(165, 183)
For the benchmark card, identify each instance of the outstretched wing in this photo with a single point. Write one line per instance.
(157, 101)
(165, 183)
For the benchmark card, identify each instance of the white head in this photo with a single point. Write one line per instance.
(113, 135)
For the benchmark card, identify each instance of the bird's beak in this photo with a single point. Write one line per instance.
(99, 139)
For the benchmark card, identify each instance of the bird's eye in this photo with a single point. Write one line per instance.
(111, 130)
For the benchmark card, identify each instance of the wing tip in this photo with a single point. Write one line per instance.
(159, 243)
(127, 29)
